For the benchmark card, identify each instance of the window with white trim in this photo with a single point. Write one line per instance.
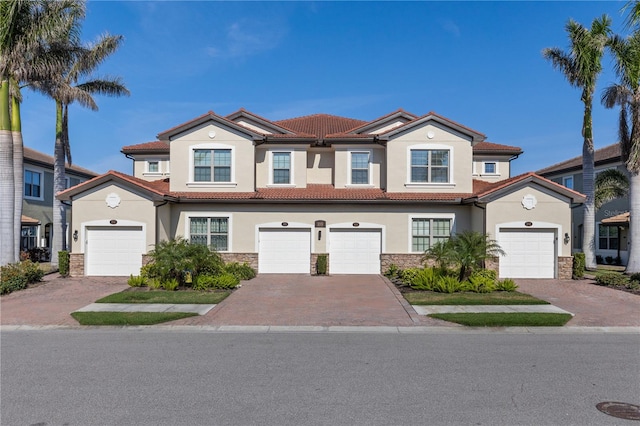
(32, 184)
(425, 232)
(429, 166)
(360, 167)
(490, 168)
(281, 168)
(568, 181)
(212, 165)
(153, 166)
(607, 237)
(212, 232)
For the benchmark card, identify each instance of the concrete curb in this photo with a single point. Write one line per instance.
(265, 329)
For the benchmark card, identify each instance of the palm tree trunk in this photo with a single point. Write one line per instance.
(589, 220)
(18, 172)
(59, 211)
(7, 188)
(633, 265)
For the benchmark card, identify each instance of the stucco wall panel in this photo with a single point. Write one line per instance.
(92, 206)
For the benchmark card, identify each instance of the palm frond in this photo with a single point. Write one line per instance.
(610, 184)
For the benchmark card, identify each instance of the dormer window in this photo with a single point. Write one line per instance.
(490, 168)
(360, 168)
(281, 168)
(212, 165)
(153, 166)
(429, 166)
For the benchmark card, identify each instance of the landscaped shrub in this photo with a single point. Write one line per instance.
(63, 263)
(506, 285)
(447, 284)
(424, 279)
(609, 260)
(222, 281)
(321, 264)
(154, 283)
(136, 281)
(170, 284)
(407, 275)
(599, 259)
(171, 258)
(579, 263)
(635, 277)
(611, 279)
(479, 283)
(393, 271)
(17, 276)
(241, 271)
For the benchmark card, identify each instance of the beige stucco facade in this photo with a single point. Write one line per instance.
(389, 217)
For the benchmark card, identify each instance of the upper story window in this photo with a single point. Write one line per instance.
(360, 168)
(490, 168)
(429, 166)
(425, 232)
(32, 184)
(568, 181)
(210, 231)
(153, 166)
(212, 165)
(281, 172)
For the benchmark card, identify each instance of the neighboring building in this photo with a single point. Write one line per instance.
(276, 194)
(37, 204)
(612, 225)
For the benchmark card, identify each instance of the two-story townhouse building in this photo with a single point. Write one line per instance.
(276, 194)
(612, 219)
(37, 204)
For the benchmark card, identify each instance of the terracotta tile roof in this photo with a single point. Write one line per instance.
(26, 220)
(491, 148)
(482, 189)
(31, 155)
(320, 125)
(621, 219)
(320, 192)
(608, 154)
(155, 146)
(399, 111)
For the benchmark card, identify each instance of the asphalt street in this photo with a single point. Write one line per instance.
(159, 377)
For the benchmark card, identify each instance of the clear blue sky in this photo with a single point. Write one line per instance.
(477, 63)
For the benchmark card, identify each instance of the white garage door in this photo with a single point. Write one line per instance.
(284, 251)
(354, 252)
(530, 253)
(114, 251)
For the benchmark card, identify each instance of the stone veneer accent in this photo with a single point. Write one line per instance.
(76, 264)
(250, 258)
(401, 260)
(565, 267)
(493, 264)
(146, 259)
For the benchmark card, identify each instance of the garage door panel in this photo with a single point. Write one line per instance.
(354, 252)
(529, 253)
(284, 251)
(114, 251)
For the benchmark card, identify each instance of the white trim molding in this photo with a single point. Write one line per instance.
(191, 183)
(450, 216)
(433, 185)
(361, 226)
(281, 225)
(187, 222)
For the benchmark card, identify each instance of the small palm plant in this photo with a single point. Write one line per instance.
(467, 251)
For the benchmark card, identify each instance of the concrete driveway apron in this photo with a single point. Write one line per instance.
(303, 300)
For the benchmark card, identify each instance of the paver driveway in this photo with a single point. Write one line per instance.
(303, 300)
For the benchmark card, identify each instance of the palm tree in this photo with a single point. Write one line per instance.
(633, 18)
(66, 89)
(626, 95)
(26, 30)
(581, 66)
(610, 184)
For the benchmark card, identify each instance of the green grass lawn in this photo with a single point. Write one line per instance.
(495, 298)
(162, 296)
(128, 318)
(510, 319)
